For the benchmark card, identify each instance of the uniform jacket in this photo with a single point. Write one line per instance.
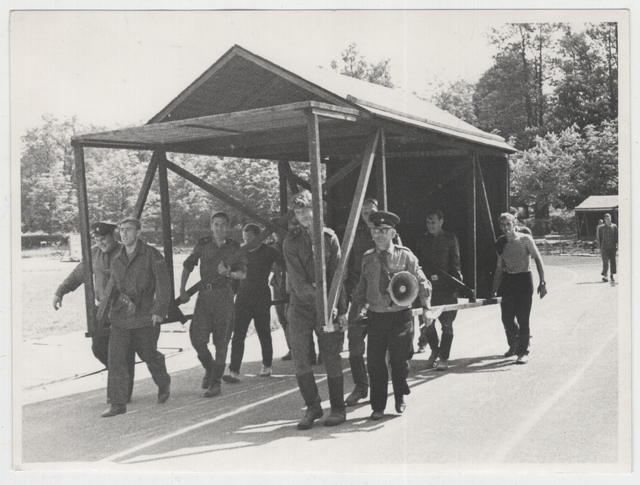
(144, 279)
(443, 251)
(607, 236)
(254, 289)
(368, 290)
(298, 255)
(100, 262)
(210, 255)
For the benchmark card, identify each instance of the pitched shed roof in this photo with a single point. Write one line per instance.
(241, 81)
(598, 203)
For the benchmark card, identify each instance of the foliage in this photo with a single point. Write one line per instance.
(354, 65)
(457, 99)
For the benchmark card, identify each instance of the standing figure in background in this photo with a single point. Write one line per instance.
(357, 327)
(143, 292)
(278, 283)
(439, 249)
(513, 281)
(607, 235)
(303, 321)
(253, 302)
(106, 248)
(220, 264)
(390, 326)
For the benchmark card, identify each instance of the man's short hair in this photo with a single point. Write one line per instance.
(607, 214)
(370, 200)
(253, 228)
(302, 200)
(507, 216)
(132, 220)
(219, 215)
(435, 212)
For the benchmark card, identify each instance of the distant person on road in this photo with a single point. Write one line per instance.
(107, 246)
(220, 264)
(607, 235)
(143, 292)
(253, 302)
(390, 327)
(439, 249)
(513, 281)
(303, 321)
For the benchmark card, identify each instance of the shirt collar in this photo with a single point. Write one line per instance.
(389, 250)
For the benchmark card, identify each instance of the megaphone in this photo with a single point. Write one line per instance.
(403, 288)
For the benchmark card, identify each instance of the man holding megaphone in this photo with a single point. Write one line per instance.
(390, 320)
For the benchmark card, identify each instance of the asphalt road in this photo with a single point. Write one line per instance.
(559, 412)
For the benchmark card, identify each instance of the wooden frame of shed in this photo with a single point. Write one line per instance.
(249, 107)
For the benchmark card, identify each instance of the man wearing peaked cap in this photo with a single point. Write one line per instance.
(107, 246)
(390, 326)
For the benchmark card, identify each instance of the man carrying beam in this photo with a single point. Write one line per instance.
(302, 316)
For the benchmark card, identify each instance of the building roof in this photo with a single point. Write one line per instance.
(247, 84)
(598, 203)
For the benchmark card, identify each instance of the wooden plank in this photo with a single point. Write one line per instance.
(295, 179)
(381, 172)
(319, 258)
(214, 128)
(146, 186)
(219, 194)
(459, 306)
(341, 174)
(472, 227)
(485, 196)
(282, 179)
(85, 238)
(428, 153)
(352, 223)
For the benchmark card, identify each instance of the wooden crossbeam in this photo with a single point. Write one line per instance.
(459, 306)
(381, 172)
(485, 196)
(293, 178)
(219, 194)
(352, 224)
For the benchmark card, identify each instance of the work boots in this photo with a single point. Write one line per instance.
(359, 373)
(309, 391)
(207, 376)
(214, 382)
(336, 398)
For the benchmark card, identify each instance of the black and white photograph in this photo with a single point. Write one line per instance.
(302, 245)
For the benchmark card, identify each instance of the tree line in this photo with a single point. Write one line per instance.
(552, 92)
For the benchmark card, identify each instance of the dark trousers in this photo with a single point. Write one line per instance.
(392, 332)
(428, 332)
(100, 349)
(302, 325)
(608, 255)
(212, 318)
(142, 340)
(356, 336)
(517, 296)
(261, 316)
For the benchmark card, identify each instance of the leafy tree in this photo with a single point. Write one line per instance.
(355, 65)
(457, 99)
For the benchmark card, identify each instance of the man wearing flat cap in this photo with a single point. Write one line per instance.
(299, 253)
(106, 247)
(390, 326)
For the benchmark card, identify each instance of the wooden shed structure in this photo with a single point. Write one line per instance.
(373, 140)
(592, 210)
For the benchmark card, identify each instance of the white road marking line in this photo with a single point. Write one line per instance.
(203, 423)
(528, 425)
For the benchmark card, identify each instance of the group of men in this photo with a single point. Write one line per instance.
(234, 290)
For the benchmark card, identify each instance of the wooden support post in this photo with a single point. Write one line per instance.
(485, 196)
(354, 215)
(146, 186)
(85, 238)
(294, 180)
(318, 221)
(284, 203)
(165, 209)
(381, 173)
(471, 228)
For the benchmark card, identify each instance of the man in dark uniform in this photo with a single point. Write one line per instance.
(299, 257)
(439, 249)
(253, 302)
(362, 242)
(143, 291)
(220, 264)
(390, 325)
(107, 246)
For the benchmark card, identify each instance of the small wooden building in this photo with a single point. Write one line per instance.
(373, 141)
(592, 210)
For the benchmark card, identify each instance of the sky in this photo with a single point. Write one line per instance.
(118, 68)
